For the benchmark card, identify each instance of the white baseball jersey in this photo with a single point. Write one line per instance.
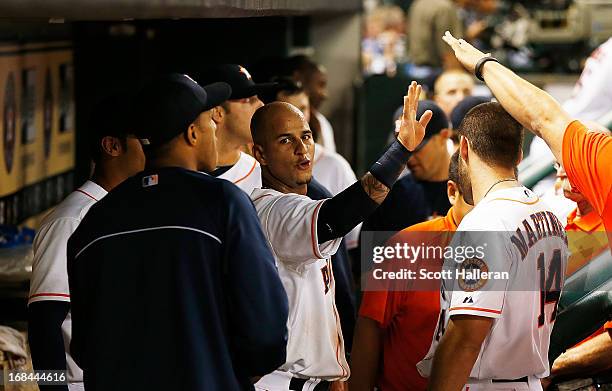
(592, 95)
(49, 279)
(526, 240)
(246, 173)
(336, 174)
(315, 348)
(327, 132)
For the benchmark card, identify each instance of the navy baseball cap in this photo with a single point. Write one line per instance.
(238, 78)
(169, 104)
(464, 106)
(438, 122)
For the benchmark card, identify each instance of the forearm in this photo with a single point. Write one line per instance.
(365, 358)
(45, 337)
(341, 213)
(453, 362)
(591, 357)
(458, 351)
(535, 109)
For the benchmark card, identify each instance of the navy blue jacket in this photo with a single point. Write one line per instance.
(173, 287)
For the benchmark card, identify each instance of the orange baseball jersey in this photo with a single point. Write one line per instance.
(584, 244)
(586, 239)
(408, 318)
(587, 158)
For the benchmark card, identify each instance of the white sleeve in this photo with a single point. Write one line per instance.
(49, 279)
(473, 294)
(290, 223)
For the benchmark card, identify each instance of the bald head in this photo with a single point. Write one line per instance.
(451, 87)
(272, 119)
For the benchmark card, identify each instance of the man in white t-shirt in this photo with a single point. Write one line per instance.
(493, 333)
(305, 233)
(117, 155)
(233, 121)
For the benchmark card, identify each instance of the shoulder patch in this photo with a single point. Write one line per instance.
(150, 180)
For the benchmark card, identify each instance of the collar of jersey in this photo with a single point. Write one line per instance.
(516, 193)
(94, 190)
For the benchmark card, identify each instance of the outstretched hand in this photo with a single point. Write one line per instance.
(467, 54)
(410, 130)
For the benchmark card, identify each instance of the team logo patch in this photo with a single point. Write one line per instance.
(150, 180)
(245, 72)
(472, 274)
(8, 121)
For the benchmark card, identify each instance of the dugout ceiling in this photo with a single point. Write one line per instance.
(83, 10)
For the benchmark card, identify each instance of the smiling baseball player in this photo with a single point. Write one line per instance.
(304, 233)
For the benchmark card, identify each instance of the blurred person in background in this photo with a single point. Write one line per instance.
(451, 87)
(427, 19)
(383, 44)
(313, 77)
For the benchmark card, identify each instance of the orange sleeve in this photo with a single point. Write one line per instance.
(587, 158)
(374, 305)
(608, 325)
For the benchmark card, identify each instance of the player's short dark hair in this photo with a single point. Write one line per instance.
(493, 134)
(110, 117)
(453, 167)
(285, 85)
(301, 64)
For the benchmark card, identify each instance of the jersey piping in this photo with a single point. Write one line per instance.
(145, 230)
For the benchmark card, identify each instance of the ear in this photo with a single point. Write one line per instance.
(191, 135)
(218, 113)
(520, 159)
(452, 191)
(464, 148)
(258, 154)
(111, 146)
(446, 133)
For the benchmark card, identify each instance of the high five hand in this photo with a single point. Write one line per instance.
(411, 130)
(467, 54)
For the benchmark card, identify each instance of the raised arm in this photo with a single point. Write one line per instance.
(535, 109)
(344, 211)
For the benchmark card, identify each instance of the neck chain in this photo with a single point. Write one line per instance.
(498, 182)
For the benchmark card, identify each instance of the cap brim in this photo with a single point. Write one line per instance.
(255, 89)
(216, 93)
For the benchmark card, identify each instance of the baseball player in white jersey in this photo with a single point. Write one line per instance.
(233, 124)
(117, 156)
(494, 330)
(303, 234)
(328, 167)
(245, 173)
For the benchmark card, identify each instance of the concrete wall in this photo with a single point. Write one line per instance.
(337, 41)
